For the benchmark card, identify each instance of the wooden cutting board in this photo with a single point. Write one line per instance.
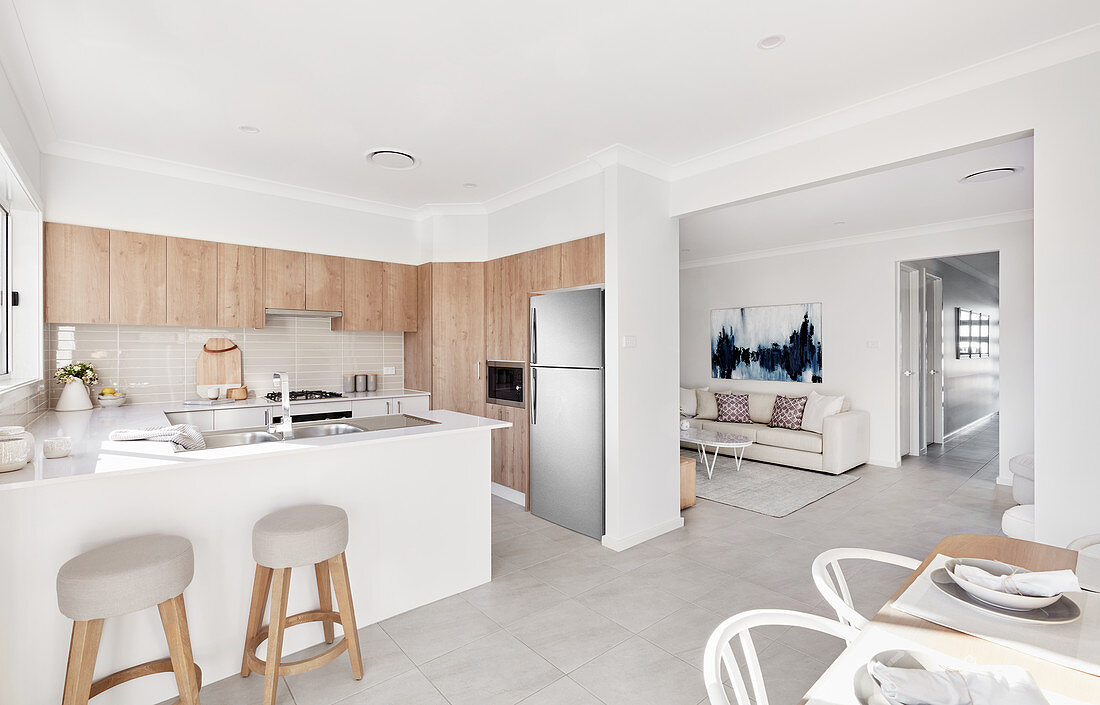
(219, 363)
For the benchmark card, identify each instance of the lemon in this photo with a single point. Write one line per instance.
(108, 392)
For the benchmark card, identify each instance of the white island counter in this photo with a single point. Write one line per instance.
(418, 501)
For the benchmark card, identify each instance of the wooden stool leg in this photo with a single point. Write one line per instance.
(338, 567)
(83, 649)
(261, 585)
(280, 592)
(173, 616)
(324, 591)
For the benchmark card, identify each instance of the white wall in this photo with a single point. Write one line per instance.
(567, 213)
(1059, 104)
(641, 250)
(454, 238)
(856, 286)
(17, 140)
(84, 193)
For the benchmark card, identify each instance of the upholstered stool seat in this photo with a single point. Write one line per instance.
(312, 534)
(1023, 477)
(1019, 522)
(299, 536)
(116, 579)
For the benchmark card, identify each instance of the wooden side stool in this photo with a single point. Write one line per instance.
(116, 579)
(315, 534)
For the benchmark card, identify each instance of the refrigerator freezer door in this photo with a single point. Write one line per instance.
(567, 329)
(567, 448)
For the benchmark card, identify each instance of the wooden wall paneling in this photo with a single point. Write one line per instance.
(284, 279)
(191, 298)
(418, 343)
(138, 274)
(324, 282)
(77, 274)
(399, 302)
(458, 336)
(363, 295)
(240, 286)
(582, 262)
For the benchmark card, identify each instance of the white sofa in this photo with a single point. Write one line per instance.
(844, 441)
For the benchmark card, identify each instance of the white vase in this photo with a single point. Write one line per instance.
(74, 397)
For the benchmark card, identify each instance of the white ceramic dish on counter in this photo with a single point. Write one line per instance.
(112, 401)
(57, 447)
(1004, 600)
(13, 453)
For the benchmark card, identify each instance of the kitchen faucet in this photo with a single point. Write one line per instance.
(281, 380)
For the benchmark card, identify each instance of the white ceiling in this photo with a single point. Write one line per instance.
(494, 92)
(909, 196)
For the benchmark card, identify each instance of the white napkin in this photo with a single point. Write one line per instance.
(999, 685)
(1038, 584)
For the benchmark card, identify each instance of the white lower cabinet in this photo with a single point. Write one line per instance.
(371, 407)
(411, 405)
(225, 419)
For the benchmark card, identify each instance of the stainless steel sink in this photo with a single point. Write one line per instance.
(226, 439)
(323, 429)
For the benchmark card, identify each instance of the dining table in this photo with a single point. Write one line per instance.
(892, 628)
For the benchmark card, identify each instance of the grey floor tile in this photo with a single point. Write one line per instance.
(235, 690)
(569, 634)
(788, 673)
(409, 688)
(432, 630)
(563, 691)
(632, 605)
(679, 576)
(528, 549)
(382, 659)
(573, 573)
(684, 633)
(638, 673)
(495, 670)
(513, 597)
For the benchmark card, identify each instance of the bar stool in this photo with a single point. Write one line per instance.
(116, 579)
(314, 534)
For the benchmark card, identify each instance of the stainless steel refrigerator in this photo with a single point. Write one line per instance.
(567, 410)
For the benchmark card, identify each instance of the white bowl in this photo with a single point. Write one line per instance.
(112, 401)
(995, 597)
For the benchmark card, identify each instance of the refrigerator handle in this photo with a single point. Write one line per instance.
(534, 394)
(534, 336)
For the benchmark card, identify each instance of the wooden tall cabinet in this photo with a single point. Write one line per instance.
(399, 301)
(240, 286)
(284, 279)
(363, 297)
(458, 336)
(418, 343)
(138, 278)
(78, 274)
(192, 282)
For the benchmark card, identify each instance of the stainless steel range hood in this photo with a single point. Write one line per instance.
(301, 313)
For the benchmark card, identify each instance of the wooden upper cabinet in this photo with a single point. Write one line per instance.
(138, 276)
(582, 262)
(284, 279)
(542, 268)
(78, 274)
(192, 282)
(363, 296)
(399, 297)
(240, 286)
(324, 283)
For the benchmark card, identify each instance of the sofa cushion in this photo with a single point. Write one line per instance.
(787, 438)
(787, 412)
(760, 407)
(733, 408)
(748, 430)
(705, 406)
(688, 402)
(818, 406)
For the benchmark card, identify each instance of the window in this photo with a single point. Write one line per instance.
(971, 333)
(5, 297)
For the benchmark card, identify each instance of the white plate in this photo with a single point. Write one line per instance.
(866, 688)
(995, 597)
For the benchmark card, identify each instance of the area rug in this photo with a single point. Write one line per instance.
(763, 488)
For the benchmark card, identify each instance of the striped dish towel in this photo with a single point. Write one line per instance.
(184, 436)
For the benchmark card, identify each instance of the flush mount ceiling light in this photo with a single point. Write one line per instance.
(249, 129)
(771, 41)
(392, 159)
(989, 174)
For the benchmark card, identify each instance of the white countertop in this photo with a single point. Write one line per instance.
(93, 455)
(262, 401)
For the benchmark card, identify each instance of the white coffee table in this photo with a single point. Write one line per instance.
(719, 440)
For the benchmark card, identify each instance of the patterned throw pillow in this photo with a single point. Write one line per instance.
(733, 408)
(787, 412)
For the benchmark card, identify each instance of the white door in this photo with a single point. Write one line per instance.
(935, 354)
(909, 360)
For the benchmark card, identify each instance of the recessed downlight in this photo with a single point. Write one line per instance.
(839, 222)
(249, 129)
(392, 159)
(989, 174)
(469, 184)
(772, 41)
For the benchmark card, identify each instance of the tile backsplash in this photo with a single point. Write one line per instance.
(157, 363)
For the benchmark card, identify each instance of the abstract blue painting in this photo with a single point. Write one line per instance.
(777, 343)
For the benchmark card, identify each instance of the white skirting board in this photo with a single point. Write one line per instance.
(513, 496)
(621, 543)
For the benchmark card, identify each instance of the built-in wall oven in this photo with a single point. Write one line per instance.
(504, 382)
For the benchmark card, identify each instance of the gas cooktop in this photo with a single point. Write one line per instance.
(304, 395)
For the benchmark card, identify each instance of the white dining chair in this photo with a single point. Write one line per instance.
(719, 656)
(1084, 542)
(834, 588)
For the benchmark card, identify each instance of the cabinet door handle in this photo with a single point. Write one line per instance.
(389, 404)
(399, 406)
(479, 369)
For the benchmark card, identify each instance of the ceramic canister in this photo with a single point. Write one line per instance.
(19, 432)
(349, 383)
(361, 383)
(13, 453)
